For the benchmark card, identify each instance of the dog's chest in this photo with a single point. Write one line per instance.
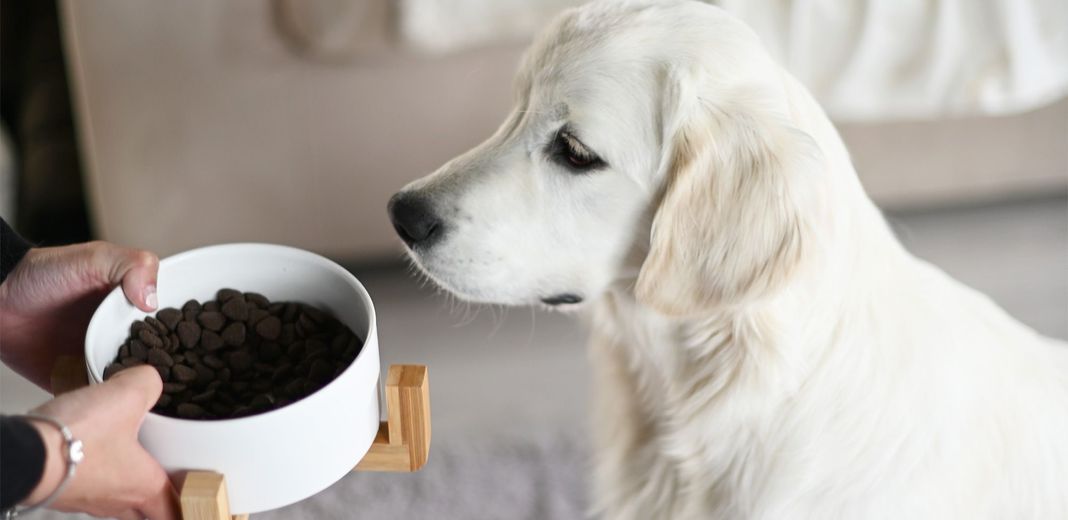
(705, 399)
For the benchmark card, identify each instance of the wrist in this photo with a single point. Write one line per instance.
(55, 465)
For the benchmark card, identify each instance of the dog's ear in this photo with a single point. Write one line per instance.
(735, 219)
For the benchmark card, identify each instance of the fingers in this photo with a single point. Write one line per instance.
(135, 269)
(143, 381)
(139, 279)
(163, 503)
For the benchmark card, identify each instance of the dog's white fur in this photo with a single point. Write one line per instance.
(763, 345)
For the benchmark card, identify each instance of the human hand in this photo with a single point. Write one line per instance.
(47, 300)
(117, 478)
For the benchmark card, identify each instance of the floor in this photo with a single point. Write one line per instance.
(508, 386)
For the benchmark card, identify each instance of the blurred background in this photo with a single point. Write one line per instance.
(171, 125)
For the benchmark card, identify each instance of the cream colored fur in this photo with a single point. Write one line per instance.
(763, 346)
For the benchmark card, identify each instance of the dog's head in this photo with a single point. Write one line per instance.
(649, 140)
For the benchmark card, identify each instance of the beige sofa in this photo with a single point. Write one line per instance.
(201, 123)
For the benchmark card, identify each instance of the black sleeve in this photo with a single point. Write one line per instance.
(22, 460)
(12, 249)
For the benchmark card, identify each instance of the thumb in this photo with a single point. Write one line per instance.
(142, 381)
(136, 269)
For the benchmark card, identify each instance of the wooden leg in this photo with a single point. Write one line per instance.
(403, 441)
(203, 497)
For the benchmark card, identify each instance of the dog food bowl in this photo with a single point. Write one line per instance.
(282, 456)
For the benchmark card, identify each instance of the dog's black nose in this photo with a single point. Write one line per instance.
(414, 219)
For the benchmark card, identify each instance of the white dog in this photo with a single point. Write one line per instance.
(764, 346)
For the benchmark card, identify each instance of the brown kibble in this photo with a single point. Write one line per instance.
(317, 316)
(138, 350)
(112, 369)
(173, 343)
(210, 340)
(190, 310)
(288, 335)
(213, 361)
(190, 411)
(236, 309)
(257, 299)
(191, 306)
(150, 338)
(170, 317)
(295, 350)
(203, 396)
(320, 371)
(136, 327)
(281, 373)
(191, 358)
(159, 358)
(238, 355)
(226, 294)
(289, 314)
(234, 334)
(269, 328)
(305, 326)
(350, 353)
(173, 388)
(270, 351)
(294, 388)
(239, 361)
(159, 327)
(261, 385)
(205, 374)
(338, 344)
(213, 321)
(314, 347)
(183, 374)
(262, 401)
(188, 334)
(255, 316)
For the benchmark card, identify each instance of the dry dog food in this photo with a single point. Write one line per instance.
(239, 354)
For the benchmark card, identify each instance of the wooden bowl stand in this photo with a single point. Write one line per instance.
(402, 443)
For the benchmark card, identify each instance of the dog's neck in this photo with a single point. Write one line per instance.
(740, 364)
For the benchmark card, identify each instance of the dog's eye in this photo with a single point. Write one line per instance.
(571, 153)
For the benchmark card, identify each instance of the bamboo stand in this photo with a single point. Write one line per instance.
(402, 443)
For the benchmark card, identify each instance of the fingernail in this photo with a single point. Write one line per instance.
(150, 297)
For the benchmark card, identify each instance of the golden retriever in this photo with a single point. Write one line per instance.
(764, 347)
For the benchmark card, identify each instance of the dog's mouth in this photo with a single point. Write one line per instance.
(562, 299)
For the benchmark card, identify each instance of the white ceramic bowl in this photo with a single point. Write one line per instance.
(282, 456)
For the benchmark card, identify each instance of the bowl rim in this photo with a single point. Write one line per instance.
(96, 323)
